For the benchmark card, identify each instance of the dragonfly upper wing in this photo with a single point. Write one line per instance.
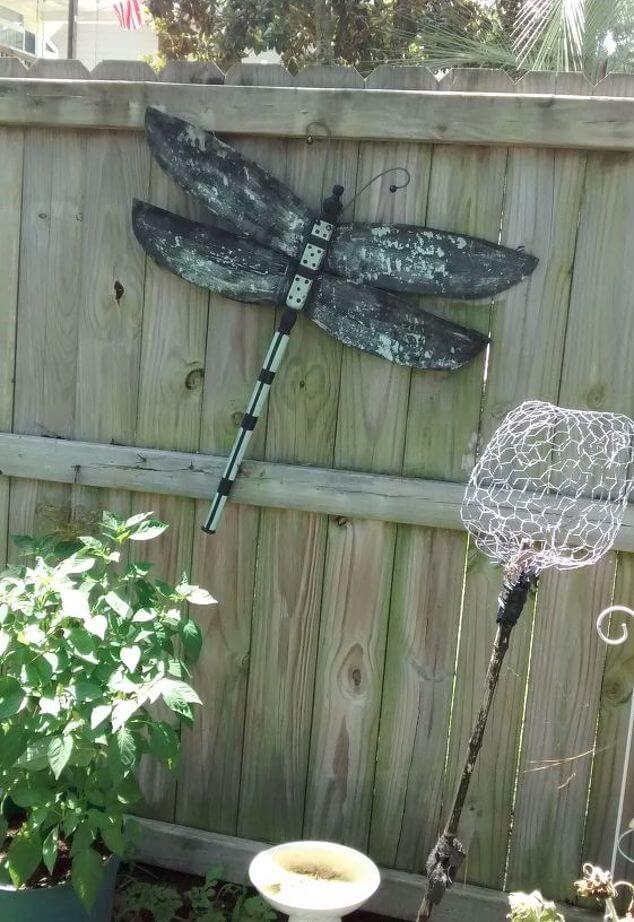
(212, 258)
(241, 195)
(405, 258)
(379, 322)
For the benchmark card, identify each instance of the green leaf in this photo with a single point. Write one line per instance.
(149, 530)
(29, 795)
(23, 857)
(112, 834)
(4, 825)
(195, 595)
(126, 746)
(82, 645)
(12, 745)
(117, 604)
(5, 640)
(49, 706)
(174, 691)
(99, 713)
(164, 744)
(11, 697)
(75, 604)
(122, 712)
(97, 625)
(192, 639)
(83, 837)
(137, 519)
(86, 875)
(128, 792)
(86, 691)
(59, 752)
(76, 565)
(130, 657)
(49, 849)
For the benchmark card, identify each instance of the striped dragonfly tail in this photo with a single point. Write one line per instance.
(249, 420)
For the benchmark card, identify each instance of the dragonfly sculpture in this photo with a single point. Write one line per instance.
(263, 245)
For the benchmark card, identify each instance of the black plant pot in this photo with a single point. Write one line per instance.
(58, 904)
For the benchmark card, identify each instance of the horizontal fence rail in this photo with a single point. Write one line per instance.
(587, 122)
(408, 500)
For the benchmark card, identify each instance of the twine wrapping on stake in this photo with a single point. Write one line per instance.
(549, 491)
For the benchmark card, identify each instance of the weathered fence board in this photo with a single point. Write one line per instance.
(213, 750)
(449, 118)
(12, 147)
(291, 552)
(552, 801)
(341, 664)
(53, 205)
(371, 420)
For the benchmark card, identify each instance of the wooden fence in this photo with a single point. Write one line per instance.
(340, 669)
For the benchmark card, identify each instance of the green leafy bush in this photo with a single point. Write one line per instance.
(87, 643)
(212, 901)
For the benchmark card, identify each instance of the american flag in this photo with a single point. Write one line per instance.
(128, 13)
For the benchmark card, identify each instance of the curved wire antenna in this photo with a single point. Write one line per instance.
(623, 854)
(613, 641)
(394, 187)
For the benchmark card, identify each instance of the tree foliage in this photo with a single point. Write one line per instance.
(363, 33)
(520, 35)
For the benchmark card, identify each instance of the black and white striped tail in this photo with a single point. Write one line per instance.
(312, 258)
(254, 408)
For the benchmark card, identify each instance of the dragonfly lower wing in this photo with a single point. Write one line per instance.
(378, 322)
(212, 258)
(405, 258)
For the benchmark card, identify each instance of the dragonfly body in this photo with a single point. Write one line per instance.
(263, 245)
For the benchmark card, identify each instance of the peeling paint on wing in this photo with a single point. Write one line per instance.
(378, 322)
(212, 258)
(429, 261)
(242, 196)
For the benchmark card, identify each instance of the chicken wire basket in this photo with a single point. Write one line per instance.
(551, 487)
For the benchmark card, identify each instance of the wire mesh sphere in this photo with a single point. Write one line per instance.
(551, 487)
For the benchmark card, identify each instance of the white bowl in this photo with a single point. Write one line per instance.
(314, 880)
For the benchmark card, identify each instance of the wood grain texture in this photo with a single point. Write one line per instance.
(409, 500)
(611, 804)
(594, 348)
(12, 147)
(542, 198)
(607, 350)
(479, 118)
(237, 340)
(111, 274)
(358, 574)
(561, 711)
(465, 192)
(49, 302)
(291, 551)
(171, 373)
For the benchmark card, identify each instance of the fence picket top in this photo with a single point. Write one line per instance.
(11, 67)
(401, 77)
(258, 75)
(191, 72)
(134, 71)
(476, 80)
(58, 69)
(330, 75)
